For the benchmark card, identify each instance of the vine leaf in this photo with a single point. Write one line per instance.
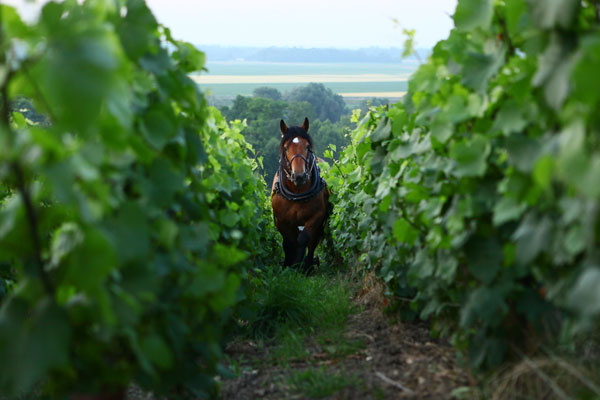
(471, 14)
(471, 156)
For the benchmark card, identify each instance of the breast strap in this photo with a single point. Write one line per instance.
(318, 184)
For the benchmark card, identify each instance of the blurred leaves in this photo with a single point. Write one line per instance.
(472, 14)
(502, 203)
(148, 209)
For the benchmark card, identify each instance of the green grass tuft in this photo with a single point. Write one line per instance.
(318, 382)
(285, 299)
(291, 346)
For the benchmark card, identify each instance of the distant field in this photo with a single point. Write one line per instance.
(389, 95)
(356, 88)
(226, 79)
(270, 68)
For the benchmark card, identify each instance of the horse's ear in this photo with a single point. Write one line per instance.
(283, 127)
(305, 124)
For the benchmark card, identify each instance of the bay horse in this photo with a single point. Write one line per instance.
(300, 198)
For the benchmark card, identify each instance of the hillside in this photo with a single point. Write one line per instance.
(307, 55)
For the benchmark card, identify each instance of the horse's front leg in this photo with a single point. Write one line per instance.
(315, 237)
(289, 251)
(301, 245)
(313, 231)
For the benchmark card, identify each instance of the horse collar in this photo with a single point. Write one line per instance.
(318, 183)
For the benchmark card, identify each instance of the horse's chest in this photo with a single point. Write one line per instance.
(293, 213)
(299, 216)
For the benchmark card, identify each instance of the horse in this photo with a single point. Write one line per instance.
(299, 197)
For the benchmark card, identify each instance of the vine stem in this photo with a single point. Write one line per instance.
(335, 162)
(410, 221)
(32, 220)
(31, 215)
(506, 37)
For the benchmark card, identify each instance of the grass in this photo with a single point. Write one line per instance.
(544, 378)
(291, 346)
(301, 316)
(285, 300)
(340, 347)
(300, 320)
(316, 383)
(270, 68)
(246, 89)
(292, 70)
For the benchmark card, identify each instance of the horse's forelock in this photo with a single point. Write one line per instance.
(292, 132)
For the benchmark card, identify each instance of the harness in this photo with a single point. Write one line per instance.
(318, 183)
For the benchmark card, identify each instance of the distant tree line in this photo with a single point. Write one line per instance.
(329, 118)
(300, 55)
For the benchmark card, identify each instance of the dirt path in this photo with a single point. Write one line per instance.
(372, 359)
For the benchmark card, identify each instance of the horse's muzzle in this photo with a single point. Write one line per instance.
(299, 179)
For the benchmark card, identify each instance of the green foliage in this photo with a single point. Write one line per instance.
(476, 196)
(328, 105)
(262, 115)
(267, 93)
(409, 43)
(364, 105)
(284, 300)
(128, 221)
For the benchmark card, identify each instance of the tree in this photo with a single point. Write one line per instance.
(327, 104)
(326, 132)
(267, 93)
(365, 104)
(262, 131)
(298, 110)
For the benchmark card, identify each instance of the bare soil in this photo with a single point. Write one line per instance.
(397, 361)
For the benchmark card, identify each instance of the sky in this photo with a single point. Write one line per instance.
(306, 23)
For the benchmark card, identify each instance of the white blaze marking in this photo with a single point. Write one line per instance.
(296, 140)
(300, 228)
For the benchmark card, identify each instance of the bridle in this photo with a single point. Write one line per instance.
(312, 170)
(309, 163)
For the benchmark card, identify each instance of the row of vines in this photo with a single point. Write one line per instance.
(477, 197)
(129, 219)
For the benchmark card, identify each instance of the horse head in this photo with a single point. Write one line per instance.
(296, 153)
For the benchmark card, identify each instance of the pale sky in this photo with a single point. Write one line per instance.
(305, 23)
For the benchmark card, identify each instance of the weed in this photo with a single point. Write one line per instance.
(339, 347)
(285, 299)
(318, 382)
(291, 346)
(234, 367)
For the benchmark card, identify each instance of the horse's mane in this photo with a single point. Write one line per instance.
(292, 132)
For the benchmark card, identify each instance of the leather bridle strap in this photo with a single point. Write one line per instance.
(309, 162)
(318, 184)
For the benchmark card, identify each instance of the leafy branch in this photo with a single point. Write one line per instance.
(410, 221)
(336, 164)
(21, 183)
